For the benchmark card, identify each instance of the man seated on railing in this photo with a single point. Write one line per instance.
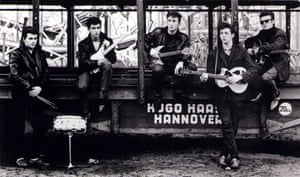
(169, 52)
(29, 74)
(267, 49)
(95, 62)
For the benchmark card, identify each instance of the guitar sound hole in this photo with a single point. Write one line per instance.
(227, 73)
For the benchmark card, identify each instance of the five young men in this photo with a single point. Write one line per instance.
(29, 71)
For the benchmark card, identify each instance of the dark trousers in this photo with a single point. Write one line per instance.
(265, 82)
(32, 110)
(230, 112)
(84, 80)
(159, 73)
(260, 84)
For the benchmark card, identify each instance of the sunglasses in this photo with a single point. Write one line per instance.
(265, 21)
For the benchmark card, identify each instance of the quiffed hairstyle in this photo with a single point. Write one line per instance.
(174, 14)
(225, 25)
(29, 29)
(93, 21)
(266, 13)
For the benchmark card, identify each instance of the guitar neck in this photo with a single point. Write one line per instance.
(107, 50)
(210, 75)
(288, 51)
(168, 54)
(112, 46)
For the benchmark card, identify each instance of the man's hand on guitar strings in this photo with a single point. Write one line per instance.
(178, 67)
(252, 51)
(234, 79)
(35, 91)
(203, 77)
(101, 61)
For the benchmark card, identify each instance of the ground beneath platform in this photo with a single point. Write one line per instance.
(163, 156)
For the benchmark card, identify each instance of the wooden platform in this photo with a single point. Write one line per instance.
(124, 86)
(125, 114)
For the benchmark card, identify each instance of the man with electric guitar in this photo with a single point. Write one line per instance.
(169, 52)
(96, 56)
(239, 70)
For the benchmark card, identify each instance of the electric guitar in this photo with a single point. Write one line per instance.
(185, 51)
(220, 79)
(99, 55)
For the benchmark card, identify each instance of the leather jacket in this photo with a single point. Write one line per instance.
(28, 70)
(273, 39)
(160, 36)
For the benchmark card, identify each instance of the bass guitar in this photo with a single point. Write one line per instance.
(220, 79)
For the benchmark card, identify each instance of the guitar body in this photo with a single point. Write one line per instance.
(239, 87)
(222, 83)
(220, 79)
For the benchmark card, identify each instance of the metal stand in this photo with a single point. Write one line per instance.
(70, 134)
(70, 125)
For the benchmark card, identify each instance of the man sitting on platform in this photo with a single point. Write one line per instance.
(166, 39)
(93, 64)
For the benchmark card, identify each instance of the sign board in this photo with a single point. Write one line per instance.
(170, 115)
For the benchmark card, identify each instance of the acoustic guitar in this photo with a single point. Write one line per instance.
(260, 59)
(220, 79)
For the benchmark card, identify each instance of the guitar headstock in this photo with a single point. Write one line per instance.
(186, 51)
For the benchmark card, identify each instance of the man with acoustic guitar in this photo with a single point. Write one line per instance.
(230, 56)
(268, 47)
(95, 63)
(169, 52)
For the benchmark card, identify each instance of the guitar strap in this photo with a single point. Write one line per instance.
(216, 60)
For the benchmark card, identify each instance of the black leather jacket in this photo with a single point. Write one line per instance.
(28, 70)
(273, 39)
(160, 36)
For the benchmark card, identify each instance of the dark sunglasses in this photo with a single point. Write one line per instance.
(265, 21)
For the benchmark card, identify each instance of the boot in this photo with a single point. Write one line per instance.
(275, 100)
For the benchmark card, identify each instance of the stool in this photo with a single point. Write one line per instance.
(69, 125)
